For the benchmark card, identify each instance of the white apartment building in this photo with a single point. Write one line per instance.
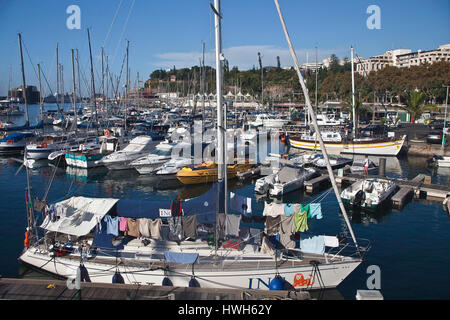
(402, 58)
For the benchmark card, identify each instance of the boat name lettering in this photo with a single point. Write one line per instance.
(164, 213)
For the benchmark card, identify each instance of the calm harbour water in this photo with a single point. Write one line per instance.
(410, 246)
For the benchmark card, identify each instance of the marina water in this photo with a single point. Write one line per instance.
(410, 246)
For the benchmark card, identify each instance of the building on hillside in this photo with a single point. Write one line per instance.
(431, 56)
(389, 58)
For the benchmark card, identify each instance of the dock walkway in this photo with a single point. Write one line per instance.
(37, 289)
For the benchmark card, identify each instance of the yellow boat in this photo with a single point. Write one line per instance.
(207, 172)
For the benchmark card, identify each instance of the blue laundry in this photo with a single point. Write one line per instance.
(112, 225)
(288, 209)
(315, 245)
(315, 210)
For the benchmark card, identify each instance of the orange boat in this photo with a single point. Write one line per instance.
(207, 172)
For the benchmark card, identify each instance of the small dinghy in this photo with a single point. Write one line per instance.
(368, 193)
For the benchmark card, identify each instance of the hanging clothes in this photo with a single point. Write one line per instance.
(315, 210)
(133, 228)
(176, 208)
(331, 241)
(306, 209)
(112, 225)
(144, 229)
(314, 244)
(232, 223)
(287, 230)
(273, 225)
(220, 226)
(175, 228)
(301, 221)
(155, 228)
(190, 226)
(273, 209)
(123, 224)
(288, 209)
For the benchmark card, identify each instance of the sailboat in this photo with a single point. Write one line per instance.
(191, 243)
(384, 146)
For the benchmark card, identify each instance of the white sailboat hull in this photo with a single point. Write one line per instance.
(301, 277)
(385, 147)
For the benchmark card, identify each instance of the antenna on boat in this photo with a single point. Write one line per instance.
(314, 123)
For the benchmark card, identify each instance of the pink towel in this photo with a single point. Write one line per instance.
(123, 224)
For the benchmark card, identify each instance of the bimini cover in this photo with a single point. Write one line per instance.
(81, 216)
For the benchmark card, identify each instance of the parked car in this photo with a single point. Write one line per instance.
(438, 124)
(434, 136)
(373, 130)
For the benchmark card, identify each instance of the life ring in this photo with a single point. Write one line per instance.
(26, 242)
(107, 133)
(9, 141)
(44, 145)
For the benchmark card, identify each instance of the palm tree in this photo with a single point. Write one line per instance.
(416, 106)
(360, 109)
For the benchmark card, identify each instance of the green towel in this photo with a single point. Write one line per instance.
(301, 221)
(305, 208)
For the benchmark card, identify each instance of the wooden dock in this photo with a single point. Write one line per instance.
(37, 289)
(313, 185)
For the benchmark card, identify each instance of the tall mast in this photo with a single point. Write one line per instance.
(57, 79)
(103, 82)
(317, 69)
(78, 74)
(126, 90)
(10, 81)
(40, 95)
(74, 95)
(92, 78)
(24, 82)
(316, 127)
(353, 94)
(203, 81)
(62, 88)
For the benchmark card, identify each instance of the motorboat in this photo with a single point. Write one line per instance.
(15, 142)
(138, 147)
(207, 172)
(268, 121)
(150, 162)
(44, 145)
(174, 165)
(88, 155)
(368, 193)
(336, 161)
(439, 161)
(358, 167)
(287, 179)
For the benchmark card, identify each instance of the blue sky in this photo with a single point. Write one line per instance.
(170, 32)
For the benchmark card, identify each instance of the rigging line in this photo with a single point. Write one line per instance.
(123, 31)
(112, 23)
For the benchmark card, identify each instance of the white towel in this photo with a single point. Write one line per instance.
(331, 241)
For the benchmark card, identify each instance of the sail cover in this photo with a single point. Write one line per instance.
(81, 215)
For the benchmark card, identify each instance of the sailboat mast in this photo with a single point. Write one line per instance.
(126, 89)
(316, 127)
(92, 78)
(353, 93)
(24, 82)
(40, 95)
(74, 94)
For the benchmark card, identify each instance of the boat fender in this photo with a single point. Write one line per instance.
(167, 282)
(117, 278)
(276, 284)
(193, 283)
(26, 242)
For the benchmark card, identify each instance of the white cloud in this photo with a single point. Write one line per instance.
(245, 57)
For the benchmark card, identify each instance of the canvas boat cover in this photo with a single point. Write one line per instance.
(82, 215)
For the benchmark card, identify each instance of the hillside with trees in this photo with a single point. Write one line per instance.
(391, 84)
